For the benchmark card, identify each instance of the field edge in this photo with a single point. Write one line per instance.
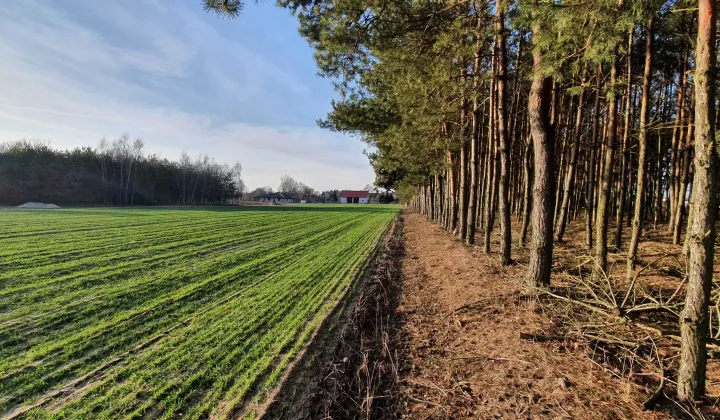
(326, 366)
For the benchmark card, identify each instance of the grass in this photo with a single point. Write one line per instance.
(166, 313)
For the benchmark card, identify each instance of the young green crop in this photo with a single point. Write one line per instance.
(167, 312)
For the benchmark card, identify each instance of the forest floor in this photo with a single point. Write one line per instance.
(461, 316)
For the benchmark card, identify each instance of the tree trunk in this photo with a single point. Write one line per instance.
(541, 251)
(590, 220)
(464, 178)
(527, 196)
(491, 172)
(570, 176)
(603, 207)
(694, 318)
(503, 146)
(642, 157)
(451, 192)
(474, 158)
(684, 180)
(676, 140)
(624, 164)
(464, 175)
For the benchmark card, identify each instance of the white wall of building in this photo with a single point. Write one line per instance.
(344, 200)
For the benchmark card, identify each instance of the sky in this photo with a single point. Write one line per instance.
(247, 90)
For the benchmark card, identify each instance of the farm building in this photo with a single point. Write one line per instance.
(354, 197)
(276, 198)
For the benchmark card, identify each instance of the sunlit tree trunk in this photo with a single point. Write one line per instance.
(570, 176)
(603, 205)
(503, 142)
(543, 200)
(625, 161)
(694, 318)
(590, 216)
(642, 157)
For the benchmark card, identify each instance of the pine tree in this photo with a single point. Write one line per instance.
(695, 317)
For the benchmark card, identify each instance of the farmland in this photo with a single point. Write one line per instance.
(167, 313)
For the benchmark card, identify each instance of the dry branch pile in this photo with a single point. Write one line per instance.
(631, 329)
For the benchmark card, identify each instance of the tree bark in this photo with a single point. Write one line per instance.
(684, 180)
(603, 206)
(694, 318)
(676, 140)
(570, 176)
(642, 157)
(527, 194)
(623, 190)
(451, 192)
(541, 251)
(503, 146)
(590, 220)
(491, 174)
(474, 159)
(464, 178)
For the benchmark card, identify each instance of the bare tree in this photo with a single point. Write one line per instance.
(288, 184)
(238, 180)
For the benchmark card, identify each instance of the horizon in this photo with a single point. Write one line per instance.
(180, 79)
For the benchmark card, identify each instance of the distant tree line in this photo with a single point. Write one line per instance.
(299, 189)
(115, 173)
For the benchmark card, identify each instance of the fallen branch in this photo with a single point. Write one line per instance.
(677, 291)
(493, 359)
(539, 338)
(582, 303)
(650, 402)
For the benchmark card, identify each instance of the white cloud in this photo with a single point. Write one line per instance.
(166, 76)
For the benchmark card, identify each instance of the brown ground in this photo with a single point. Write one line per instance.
(461, 317)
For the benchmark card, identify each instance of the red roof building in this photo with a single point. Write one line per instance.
(354, 197)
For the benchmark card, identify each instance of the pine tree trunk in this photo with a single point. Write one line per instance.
(464, 178)
(657, 215)
(676, 141)
(539, 268)
(694, 318)
(451, 192)
(473, 198)
(688, 231)
(570, 176)
(464, 151)
(474, 158)
(503, 143)
(624, 164)
(642, 157)
(491, 172)
(603, 205)
(682, 189)
(589, 217)
(527, 192)
(482, 146)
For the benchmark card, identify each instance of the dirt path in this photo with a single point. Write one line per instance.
(461, 316)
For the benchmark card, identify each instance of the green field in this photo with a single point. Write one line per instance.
(167, 313)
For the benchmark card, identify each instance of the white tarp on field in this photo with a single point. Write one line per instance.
(35, 205)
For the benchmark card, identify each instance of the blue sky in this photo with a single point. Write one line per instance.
(75, 71)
